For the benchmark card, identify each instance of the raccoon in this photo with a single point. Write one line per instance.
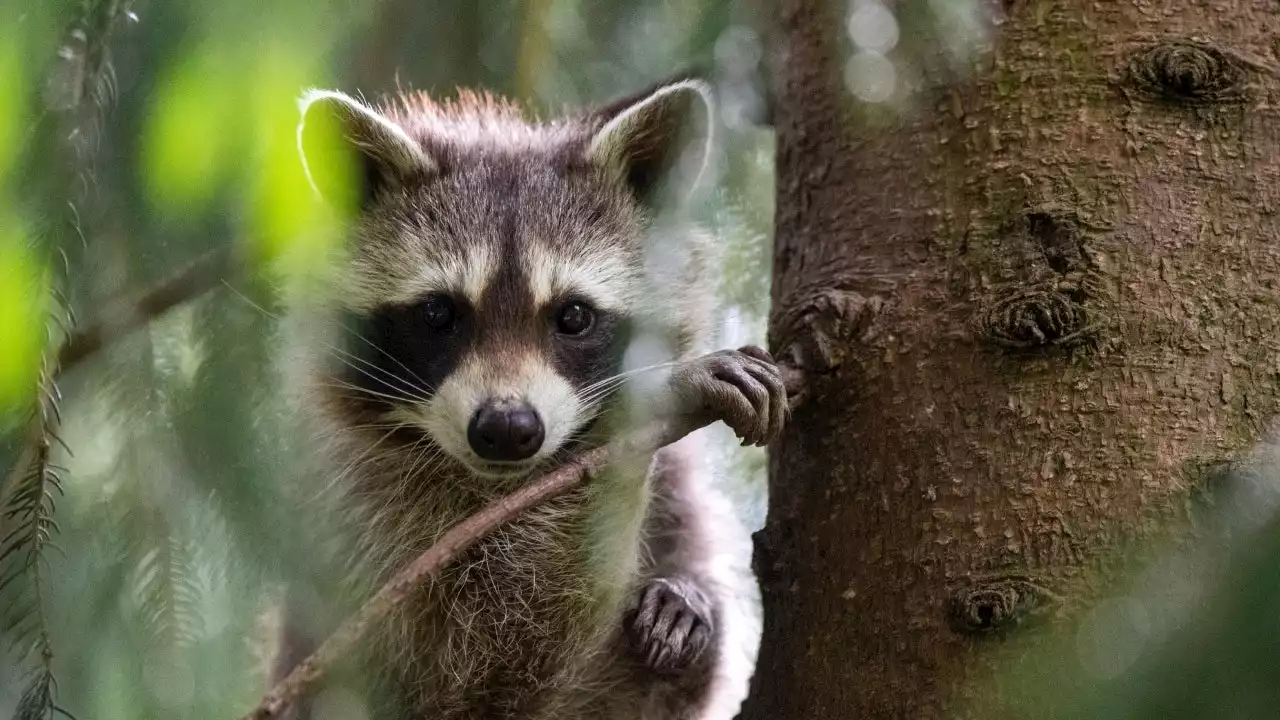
(504, 279)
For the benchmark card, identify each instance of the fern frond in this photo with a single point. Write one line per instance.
(27, 519)
(168, 592)
(38, 700)
(82, 87)
(28, 526)
(28, 505)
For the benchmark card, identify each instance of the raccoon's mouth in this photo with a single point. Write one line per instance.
(501, 470)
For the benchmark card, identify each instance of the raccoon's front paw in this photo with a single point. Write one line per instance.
(671, 627)
(742, 387)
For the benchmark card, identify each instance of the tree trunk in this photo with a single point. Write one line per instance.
(1029, 313)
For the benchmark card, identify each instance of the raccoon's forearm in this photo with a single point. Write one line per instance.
(300, 675)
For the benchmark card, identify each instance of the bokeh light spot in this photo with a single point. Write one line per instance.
(871, 77)
(872, 26)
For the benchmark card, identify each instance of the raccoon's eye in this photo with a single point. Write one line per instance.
(575, 318)
(437, 311)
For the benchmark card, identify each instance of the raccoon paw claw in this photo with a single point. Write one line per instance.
(743, 387)
(667, 629)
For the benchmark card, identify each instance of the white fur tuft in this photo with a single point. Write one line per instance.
(724, 561)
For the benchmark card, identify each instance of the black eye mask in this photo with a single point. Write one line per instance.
(400, 354)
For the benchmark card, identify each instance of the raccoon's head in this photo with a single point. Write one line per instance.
(496, 268)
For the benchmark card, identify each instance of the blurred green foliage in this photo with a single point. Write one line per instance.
(22, 291)
(23, 308)
(13, 96)
(1191, 631)
(135, 137)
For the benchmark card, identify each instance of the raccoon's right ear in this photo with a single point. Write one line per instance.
(350, 151)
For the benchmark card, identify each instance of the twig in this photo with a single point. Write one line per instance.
(304, 678)
(127, 316)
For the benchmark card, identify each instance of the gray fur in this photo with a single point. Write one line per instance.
(511, 216)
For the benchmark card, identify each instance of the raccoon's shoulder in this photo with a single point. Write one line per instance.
(678, 293)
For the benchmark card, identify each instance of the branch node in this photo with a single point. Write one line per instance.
(814, 333)
(997, 603)
(1041, 315)
(1188, 72)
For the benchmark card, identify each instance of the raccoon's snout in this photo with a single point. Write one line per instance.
(505, 431)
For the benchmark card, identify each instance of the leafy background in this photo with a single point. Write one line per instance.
(142, 526)
(141, 550)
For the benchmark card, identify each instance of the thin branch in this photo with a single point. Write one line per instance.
(127, 316)
(307, 675)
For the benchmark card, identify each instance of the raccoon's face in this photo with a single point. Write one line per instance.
(495, 268)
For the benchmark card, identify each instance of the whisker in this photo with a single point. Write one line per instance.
(601, 392)
(598, 390)
(630, 373)
(348, 429)
(601, 387)
(597, 398)
(421, 389)
(419, 393)
(342, 385)
(391, 357)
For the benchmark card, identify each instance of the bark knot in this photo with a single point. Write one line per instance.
(814, 332)
(994, 604)
(1041, 315)
(1188, 72)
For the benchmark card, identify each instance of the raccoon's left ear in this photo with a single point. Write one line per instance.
(658, 140)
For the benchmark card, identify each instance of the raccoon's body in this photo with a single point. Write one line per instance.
(499, 273)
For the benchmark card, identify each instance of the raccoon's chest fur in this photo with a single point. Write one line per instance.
(523, 625)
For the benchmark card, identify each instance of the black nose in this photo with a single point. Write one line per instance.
(505, 431)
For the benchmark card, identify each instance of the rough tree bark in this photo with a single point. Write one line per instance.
(1030, 314)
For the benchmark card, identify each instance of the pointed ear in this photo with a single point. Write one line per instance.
(658, 141)
(350, 151)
